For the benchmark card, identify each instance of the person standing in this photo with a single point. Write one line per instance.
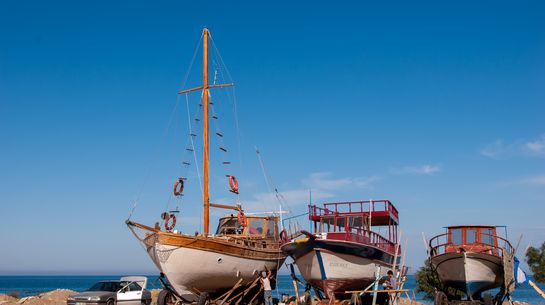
(391, 285)
(266, 282)
(388, 283)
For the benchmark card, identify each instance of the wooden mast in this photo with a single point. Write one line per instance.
(205, 88)
(206, 196)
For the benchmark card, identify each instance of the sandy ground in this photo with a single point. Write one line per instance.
(59, 296)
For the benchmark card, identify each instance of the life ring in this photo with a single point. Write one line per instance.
(284, 236)
(169, 226)
(233, 183)
(178, 187)
(241, 219)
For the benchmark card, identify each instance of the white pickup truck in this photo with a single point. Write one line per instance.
(129, 290)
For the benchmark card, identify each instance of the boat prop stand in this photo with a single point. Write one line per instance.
(166, 286)
(229, 298)
(225, 298)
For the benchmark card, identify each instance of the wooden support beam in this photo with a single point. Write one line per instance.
(221, 85)
(225, 206)
(537, 289)
(385, 290)
(202, 87)
(191, 90)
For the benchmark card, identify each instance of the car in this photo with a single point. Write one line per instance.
(129, 290)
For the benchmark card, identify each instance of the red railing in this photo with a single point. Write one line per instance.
(364, 237)
(353, 207)
(440, 245)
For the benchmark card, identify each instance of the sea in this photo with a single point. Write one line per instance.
(33, 285)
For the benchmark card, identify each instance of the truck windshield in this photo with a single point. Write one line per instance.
(105, 286)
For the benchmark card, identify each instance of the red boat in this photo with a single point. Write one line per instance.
(348, 242)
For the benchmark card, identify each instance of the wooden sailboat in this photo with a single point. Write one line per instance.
(473, 259)
(210, 264)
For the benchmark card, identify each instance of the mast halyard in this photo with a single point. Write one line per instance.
(206, 149)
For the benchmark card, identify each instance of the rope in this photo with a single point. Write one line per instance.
(193, 144)
(193, 149)
(268, 180)
(153, 161)
(165, 131)
(232, 98)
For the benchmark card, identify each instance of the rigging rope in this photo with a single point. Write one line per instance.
(231, 97)
(269, 182)
(153, 160)
(165, 131)
(193, 144)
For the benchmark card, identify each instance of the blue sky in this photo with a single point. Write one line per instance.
(438, 107)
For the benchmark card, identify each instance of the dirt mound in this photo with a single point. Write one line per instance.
(7, 299)
(55, 297)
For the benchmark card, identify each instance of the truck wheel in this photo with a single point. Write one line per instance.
(165, 297)
(110, 302)
(204, 299)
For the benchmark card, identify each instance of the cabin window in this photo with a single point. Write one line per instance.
(340, 223)
(271, 224)
(326, 221)
(355, 221)
(456, 236)
(256, 226)
(471, 236)
(486, 237)
(228, 226)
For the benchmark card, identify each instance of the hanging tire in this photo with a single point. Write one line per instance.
(165, 297)
(440, 298)
(204, 299)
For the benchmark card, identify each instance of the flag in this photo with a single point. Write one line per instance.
(520, 275)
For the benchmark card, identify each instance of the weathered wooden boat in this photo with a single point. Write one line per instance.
(345, 248)
(203, 265)
(472, 259)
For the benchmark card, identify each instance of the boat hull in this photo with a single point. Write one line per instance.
(475, 273)
(338, 266)
(191, 270)
(213, 264)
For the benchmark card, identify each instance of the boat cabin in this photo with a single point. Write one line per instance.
(369, 222)
(256, 226)
(471, 238)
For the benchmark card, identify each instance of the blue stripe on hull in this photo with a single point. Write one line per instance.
(321, 264)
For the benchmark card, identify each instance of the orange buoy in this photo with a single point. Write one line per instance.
(178, 187)
(233, 183)
(241, 218)
(170, 222)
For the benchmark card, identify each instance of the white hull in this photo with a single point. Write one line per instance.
(474, 274)
(336, 272)
(190, 270)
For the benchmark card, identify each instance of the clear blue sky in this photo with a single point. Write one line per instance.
(439, 107)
